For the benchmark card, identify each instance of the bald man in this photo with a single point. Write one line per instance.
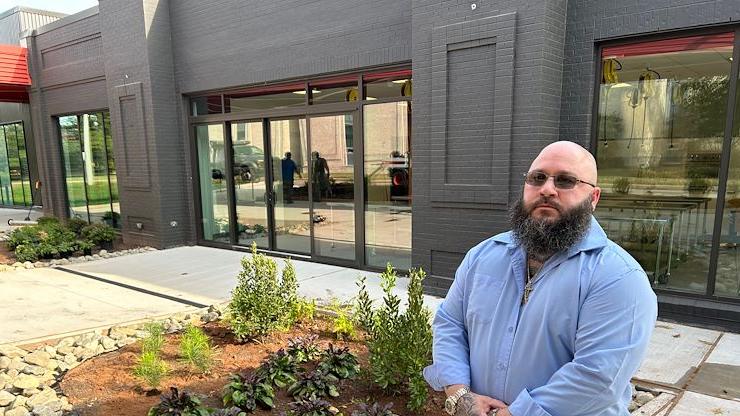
(550, 318)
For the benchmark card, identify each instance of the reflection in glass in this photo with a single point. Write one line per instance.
(332, 184)
(23, 156)
(113, 217)
(249, 183)
(290, 187)
(73, 167)
(243, 102)
(728, 265)
(388, 87)
(660, 127)
(212, 169)
(14, 163)
(388, 184)
(6, 191)
(96, 167)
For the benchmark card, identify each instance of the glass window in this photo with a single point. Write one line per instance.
(728, 266)
(212, 169)
(206, 105)
(335, 91)
(388, 85)
(249, 183)
(89, 168)
(74, 167)
(333, 187)
(388, 184)
(660, 128)
(289, 151)
(294, 96)
(23, 156)
(6, 191)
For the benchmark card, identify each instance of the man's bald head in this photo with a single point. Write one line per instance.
(580, 161)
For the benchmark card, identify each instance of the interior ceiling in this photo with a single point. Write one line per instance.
(678, 65)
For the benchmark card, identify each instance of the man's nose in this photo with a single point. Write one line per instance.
(548, 188)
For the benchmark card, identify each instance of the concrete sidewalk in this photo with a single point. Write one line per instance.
(697, 370)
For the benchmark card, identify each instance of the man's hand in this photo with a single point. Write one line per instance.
(472, 404)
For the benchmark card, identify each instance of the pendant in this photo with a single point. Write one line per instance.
(527, 291)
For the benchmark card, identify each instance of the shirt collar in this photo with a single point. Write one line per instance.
(594, 238)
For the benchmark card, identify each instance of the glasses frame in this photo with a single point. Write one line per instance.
(554, 181)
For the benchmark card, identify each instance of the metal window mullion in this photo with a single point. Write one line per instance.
(230, 190)
(269, 181)
(20, 164)
(7, 161)
(309, 176)
(107, 166)
(724, 166)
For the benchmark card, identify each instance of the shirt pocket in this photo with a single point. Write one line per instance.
(484, 296)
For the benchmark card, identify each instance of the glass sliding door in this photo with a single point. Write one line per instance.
(23, 160)
(250, 185)
(290, 199)
(212, 170)
(333, 186)
(74, 167)
(388, 193)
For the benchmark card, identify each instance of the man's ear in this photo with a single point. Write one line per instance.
(595, 196)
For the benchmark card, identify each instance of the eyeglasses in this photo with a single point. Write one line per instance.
(562, 181)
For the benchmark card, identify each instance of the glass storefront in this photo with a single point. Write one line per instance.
(15, 184)
(296, 186)
(89, 168)
(660, 133)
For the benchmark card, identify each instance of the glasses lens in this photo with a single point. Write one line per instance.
(536, 178)
(565, 181)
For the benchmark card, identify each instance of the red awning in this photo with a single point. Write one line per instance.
(14, 78)
(690, 43)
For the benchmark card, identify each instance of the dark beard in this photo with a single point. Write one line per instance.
(542, 238)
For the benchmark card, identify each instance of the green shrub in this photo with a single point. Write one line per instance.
(155, 340)
(26, 252)
(400, 344)
(364, 313)
(343, 326)
(179, 404)
(262, 303)
(310, 407)
(44, 221)
(339, 362)
(279, 370)
(98, 233)
(151, 369)
(248, 393)
(315, 384)
(76, 225)
(303, 310)
(28, 235)
(196, 349)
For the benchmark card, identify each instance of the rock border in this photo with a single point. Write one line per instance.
(29, 380)
(102, 254)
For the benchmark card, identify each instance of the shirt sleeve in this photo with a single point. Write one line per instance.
(614, 329)
(451, 356)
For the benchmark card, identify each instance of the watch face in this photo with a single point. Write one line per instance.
(449, 406)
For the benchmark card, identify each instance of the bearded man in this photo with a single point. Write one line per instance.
(550, 318)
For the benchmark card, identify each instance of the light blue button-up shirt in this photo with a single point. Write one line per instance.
(570, 350)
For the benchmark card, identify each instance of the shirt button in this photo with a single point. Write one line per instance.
(511, 329)
(501, 366)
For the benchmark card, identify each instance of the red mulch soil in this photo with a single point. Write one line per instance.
(105, 386)
(6, 255)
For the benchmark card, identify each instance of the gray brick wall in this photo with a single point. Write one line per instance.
(70, 82)
(444, 229)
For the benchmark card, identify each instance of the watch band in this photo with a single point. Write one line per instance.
(458, 394)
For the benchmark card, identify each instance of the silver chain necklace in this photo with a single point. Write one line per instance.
(529, 287)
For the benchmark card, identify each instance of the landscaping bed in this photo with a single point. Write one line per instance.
(106, 386)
